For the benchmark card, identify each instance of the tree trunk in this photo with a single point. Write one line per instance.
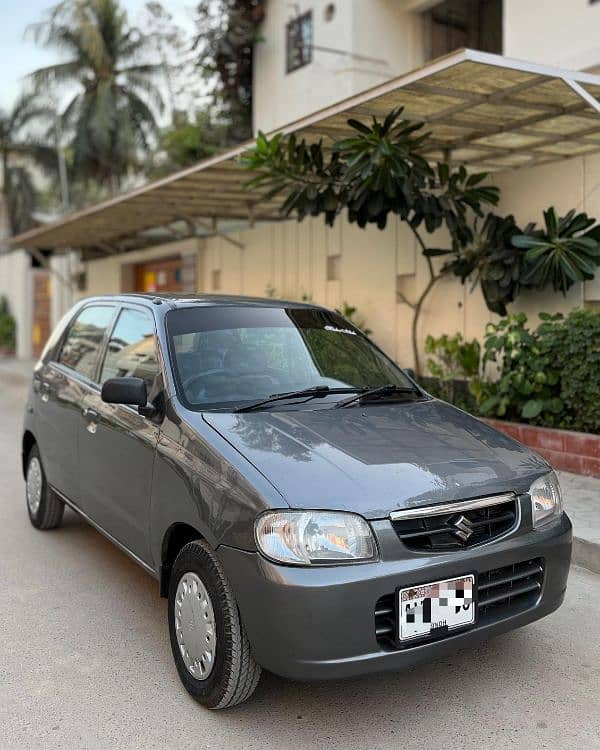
(417, 309)
(5, 216)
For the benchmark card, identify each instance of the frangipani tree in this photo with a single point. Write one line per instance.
(379, 171)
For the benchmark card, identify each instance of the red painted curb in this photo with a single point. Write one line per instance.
(578, 452)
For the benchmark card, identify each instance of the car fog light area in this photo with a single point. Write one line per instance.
(314, 537)
(546, 499)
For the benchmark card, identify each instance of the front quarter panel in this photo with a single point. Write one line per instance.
(202, 481)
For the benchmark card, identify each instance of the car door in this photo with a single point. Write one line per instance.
(116, 444)
(61, 386)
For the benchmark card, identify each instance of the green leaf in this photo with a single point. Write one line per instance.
(476, 178)
(552, 223)
(489, 404)
(360, 126)
(532, 409)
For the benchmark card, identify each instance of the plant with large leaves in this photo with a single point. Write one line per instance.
(564, 251)
(376, 172)
(505, 259)
(492, 261)
(20, 148)
(111, 118)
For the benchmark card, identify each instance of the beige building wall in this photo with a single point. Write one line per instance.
(368, 42)
(553, 32)
(336, 265)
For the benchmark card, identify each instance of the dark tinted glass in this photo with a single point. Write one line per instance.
(82, 345)
(233, 354)
(131, 349)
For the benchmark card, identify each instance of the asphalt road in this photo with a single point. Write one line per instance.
(85, 663)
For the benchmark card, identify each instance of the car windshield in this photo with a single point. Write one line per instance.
(225, 356)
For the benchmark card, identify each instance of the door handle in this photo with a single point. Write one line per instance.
(92, 418)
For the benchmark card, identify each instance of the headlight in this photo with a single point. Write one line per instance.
(546, 499)
(314, 537)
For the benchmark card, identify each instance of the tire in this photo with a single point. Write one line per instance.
(45, 508)
(201, 600)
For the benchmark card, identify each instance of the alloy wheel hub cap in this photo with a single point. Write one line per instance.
(34, 485)
(195, 626)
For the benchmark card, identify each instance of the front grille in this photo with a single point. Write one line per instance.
(385, 622)
(456, 530)
(501, 592)
(513, 588)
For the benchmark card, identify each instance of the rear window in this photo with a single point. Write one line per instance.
(82, 345)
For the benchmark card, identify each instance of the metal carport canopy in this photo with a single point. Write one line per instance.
(486, 111)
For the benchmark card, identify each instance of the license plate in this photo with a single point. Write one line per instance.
(434, 608)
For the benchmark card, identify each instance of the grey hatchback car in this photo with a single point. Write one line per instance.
(305, 506)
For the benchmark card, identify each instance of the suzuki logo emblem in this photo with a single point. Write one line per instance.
(463, 528)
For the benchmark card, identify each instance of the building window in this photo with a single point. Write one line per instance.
(298, 42)
(476, 24)
(216, 279)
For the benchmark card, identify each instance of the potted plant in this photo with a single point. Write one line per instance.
(8, 329)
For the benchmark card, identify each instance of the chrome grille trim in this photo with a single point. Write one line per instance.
(426, 511)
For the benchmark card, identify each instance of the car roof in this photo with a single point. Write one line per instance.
(180, 300)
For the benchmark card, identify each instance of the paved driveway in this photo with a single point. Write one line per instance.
(85, 663)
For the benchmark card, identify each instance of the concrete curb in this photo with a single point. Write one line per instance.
(586, 554)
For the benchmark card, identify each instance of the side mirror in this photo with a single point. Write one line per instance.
(410, 372)
(132, 391)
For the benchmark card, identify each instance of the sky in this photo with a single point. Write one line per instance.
(19, 55)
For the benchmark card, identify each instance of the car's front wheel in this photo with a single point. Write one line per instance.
(45, 508)
(210, 647)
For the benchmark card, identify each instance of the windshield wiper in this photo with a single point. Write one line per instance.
(316, 391)
(382, 390)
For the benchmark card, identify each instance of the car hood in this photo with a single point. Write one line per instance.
(378, 458)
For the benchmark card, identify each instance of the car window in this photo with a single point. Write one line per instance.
(131, 350)
(229, 355)
(84, 339)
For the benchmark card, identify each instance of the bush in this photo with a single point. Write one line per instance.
(461, 396)
(578, 347)
(8, 326)
(452, 364)
(548, 376)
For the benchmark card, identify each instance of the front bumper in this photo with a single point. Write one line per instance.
(319, 623)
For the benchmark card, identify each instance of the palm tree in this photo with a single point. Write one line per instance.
(110, 119)
(19, 150)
